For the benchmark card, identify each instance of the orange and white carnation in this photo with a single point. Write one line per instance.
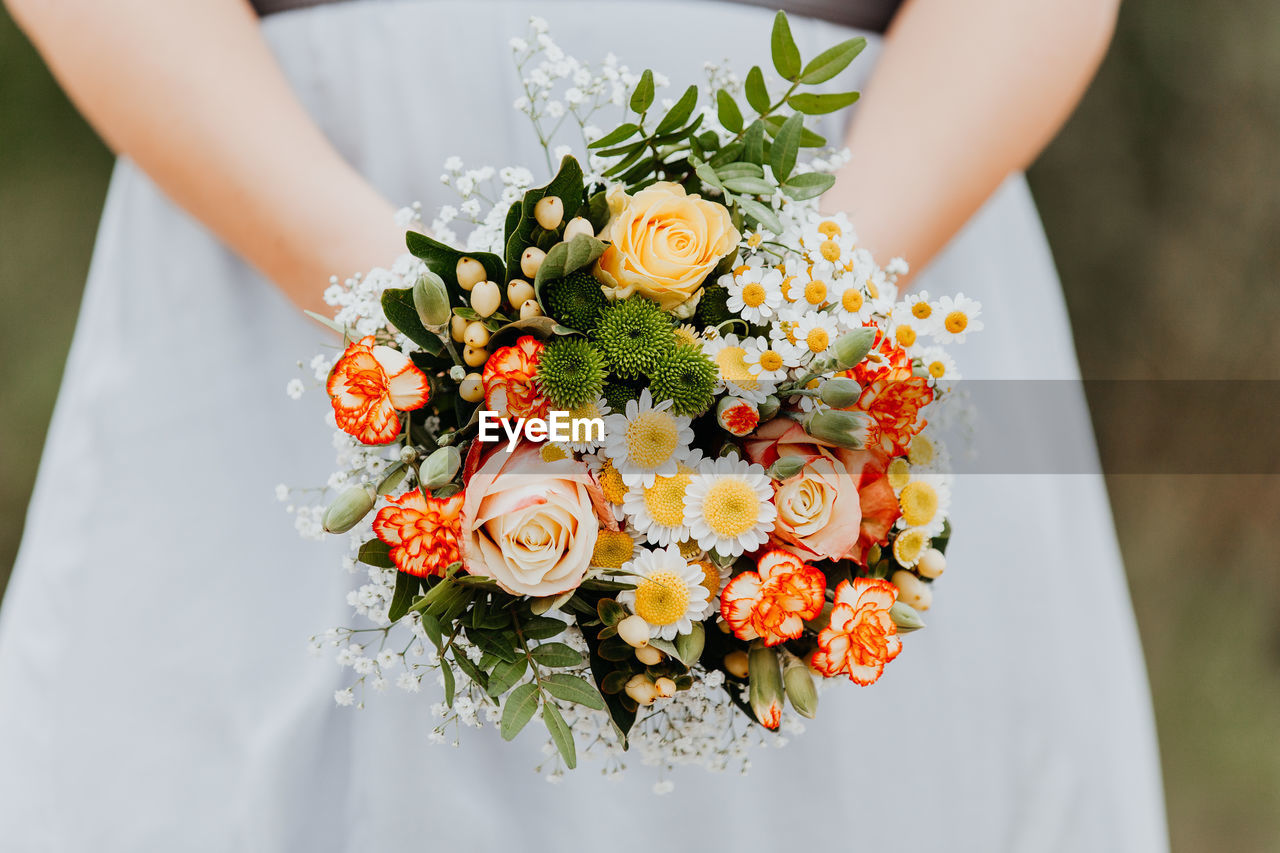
(861, 637)
(773, 602)
(369, 385)
(663, 243)
(423, 532)
(528, 524)
(893, 395)
(508, 378)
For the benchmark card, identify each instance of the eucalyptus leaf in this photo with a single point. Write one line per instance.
(618, 134)
(375, 552)
(786, 145)
(757, 93)
(679, 112)
(642, 97)
(727, 111)
(561, 734)
(571, 688)
(831, 61)
(786, 56)
(555, 655)
(811, 104)
(518, 710)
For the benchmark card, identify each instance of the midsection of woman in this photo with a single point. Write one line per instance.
(173, 706)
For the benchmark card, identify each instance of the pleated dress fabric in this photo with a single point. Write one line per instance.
(156, 692)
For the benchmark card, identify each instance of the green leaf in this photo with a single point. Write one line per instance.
(567, 186)
(540, 327)
(597, 212)
(642, 97)
(616, 650)
(764, 215)
(407, 588)
(740, 170)
(808, 139)
(435, 633)
(727, 111)
(329, 323)
(375, 552)
(565, 258)
(615, 682)
(473, 672)
(518, 710)
(602, 585)
(628, 150)
(689, 646)
(808, 185)
(561, 734)
(753, 139)
(728, 154)
(571, 688)
(397, 304)
(501, 646)
(506, 674)
(618, 134)
(679, 112)
(447, 672)
(542, 628)
(754, 186)
(831, 61)
(708, 176)
(811, 104)
(623, 717)
(757, 93)
(555, 655)
(443, 260)
(786, 145)
(786, 56)
(610, 611)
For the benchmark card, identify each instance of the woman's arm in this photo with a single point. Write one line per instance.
(190, 92)
(964, 94)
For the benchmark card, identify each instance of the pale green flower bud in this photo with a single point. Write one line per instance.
(349, 507)
(905, 617)
(432, 301)
(764, 685)
(440, 467)
(769, 408)
(839, 393)
(786, 467)
(394, 477)
(798, 682)
(737, 417)
(852, 348)
(844, 429)
(689, 646)
(457, 373)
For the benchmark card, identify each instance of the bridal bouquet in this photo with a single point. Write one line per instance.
(648, 456)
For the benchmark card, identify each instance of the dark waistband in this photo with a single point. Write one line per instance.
(870, 15)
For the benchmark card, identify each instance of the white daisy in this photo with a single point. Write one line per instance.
(940, 366)
(755, 295)
(924, 312)
(729, 356)
(596, 408)
(816, 333)
(728, 506)
(904, 329)
(669, 594)
(851, 304)
(764, 362)
(646, 441)
(924, 502)
(959, 316)
(656, 512)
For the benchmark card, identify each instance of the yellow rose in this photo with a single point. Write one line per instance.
(663, 244)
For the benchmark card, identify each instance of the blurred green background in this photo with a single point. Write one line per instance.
(1161, 199)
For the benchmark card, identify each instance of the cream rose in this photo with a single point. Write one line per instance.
(527, 524)
(663, 243)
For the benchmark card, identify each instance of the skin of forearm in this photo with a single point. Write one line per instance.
(963, 95)
(190, 92)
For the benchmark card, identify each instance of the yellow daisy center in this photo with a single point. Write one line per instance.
(899, 473)
(829, 229)
(921, 310)
(662, 598)
(908, 545)
(922, 451)
(852, 300)
(919, 503)
(652, 438)
(786, 288)
(611, 483)
(686, 335)
(753, 294)
(710, 577)
(732, 362)
(872, 289)
(586, 410)
(613, 549)
(770, 360)
(830, 249)
(817, 340)
(956, 322)
(689, 549)
(731, 507)
(906, 335)
(552, 452)
(815, 292)
(665, 498)
(755, 240)
(937, 369)
(742, 270)
(789, 329)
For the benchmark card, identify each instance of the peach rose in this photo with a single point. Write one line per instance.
(663, 245)
(530, 525)
(837, 506)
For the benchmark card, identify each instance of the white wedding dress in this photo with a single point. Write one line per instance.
(156, 693)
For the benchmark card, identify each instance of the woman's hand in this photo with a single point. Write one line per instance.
(190, 92)
(964, 94)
